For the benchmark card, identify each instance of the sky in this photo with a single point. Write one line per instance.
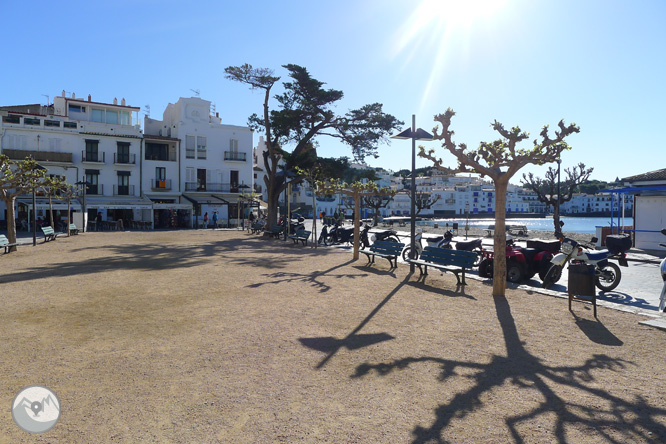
(526, 63)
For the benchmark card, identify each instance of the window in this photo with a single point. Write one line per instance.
(125, 118)
(52, 123)
(189, 147)
(112, 117)
(201, 179)
(233, 180)
(160, 177)
(97, 115)
(123, 183)
(92, 151)
(92, 177)
(69, 125)
(158, 151)
(55, 144)
(76, 109)
(31, 121)
(201, 147)
(123, 152)
(11, 119)
(233, 145)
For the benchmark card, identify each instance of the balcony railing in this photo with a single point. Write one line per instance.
(235, 156)
(212, 187)
(94, 158)
(124, 159)
(160, 185)
(95, 190)
(123, 190)
(39, 156)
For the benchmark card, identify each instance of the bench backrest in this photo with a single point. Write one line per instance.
(3, 240)
(48, 230)
(277, 228)
(303, 233)
(72, 227)
(445, 256)
(389, 248)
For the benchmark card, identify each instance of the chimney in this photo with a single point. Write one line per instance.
(122, 102)
(73, 95)
(89, 98)
(217, 114)
(63, 93)
(115, 100)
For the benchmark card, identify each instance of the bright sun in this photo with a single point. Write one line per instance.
(438, 27)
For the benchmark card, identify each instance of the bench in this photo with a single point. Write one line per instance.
(257, 227)
(4, 242)
(275, 231)
(454, 261)
(73, 229)
(301, 235)
(49, 234)
(388, 250)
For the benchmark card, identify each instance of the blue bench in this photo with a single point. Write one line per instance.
(454, 261)
(275, 231)
(4, 242)
(302, 236)
(49, 234)
(388, 250)
(73, 229)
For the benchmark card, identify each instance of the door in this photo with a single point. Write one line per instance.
(201, 179)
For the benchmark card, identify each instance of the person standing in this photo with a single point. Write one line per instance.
(214, 219)
(98, 221)
(206, 219)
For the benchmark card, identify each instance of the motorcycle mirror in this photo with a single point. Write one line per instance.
(561, 223)
(663, 231)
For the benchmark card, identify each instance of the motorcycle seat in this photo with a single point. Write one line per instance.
(597, 256)
(435, 239)
(468, 245)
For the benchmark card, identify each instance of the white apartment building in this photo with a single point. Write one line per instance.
(83, 141)
(213, 163)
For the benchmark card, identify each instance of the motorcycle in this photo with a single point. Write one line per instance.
(607, 275)
(522, 263)
(437, 241)
(337, 235)
(662, 267)
(385, 235)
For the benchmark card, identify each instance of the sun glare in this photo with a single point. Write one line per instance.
(437, 27)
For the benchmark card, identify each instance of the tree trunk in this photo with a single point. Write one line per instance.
(556, 220)
(314, 218)
(499, 244)
(69, 216)
(51, 211)
(11, 221)
(357, 216)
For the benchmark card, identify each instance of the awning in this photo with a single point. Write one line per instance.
(119, 203)
(206, 199)
(176, 205)
(43, 203)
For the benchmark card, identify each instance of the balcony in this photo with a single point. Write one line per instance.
(212, 187)
(95, 190)
(160, 185)
(123, 190)
(39, 156)
(93, 158)
(235, 156)
(124, 159)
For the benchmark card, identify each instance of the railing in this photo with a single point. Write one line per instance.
(233, 155)
(123, 190)
(94, 158)
(211, 187)
(124, 159)
(95, 190)
(39, 156)
(160, 185)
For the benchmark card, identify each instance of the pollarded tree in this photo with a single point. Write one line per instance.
(52, 186)
(546, 189)
(376, 203)
(16, 178)
(423, 200)
(305, 112)
(500, 160)
(68, 193)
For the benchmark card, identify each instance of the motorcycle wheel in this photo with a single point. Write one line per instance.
(544, 266)
(608, 278)
(514, 271)
(554, 274)
(486, 268)
(407, 251)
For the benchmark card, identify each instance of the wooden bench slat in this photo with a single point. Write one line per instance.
(454, 261)
(4, 242)
(387, 250)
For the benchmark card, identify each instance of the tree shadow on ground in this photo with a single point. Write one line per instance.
(458, 292)
(313, 278)
(353, 340)
(615, 419)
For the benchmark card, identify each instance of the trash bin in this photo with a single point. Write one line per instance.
(581, 284)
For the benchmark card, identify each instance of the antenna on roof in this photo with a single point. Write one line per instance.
(146, 110)
(48, 99)
(196, 91)
(212, 108)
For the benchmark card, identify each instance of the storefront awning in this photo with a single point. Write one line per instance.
(43, 203)
(118, 203)
(206, 199)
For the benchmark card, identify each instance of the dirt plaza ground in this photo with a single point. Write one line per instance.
(206, 336)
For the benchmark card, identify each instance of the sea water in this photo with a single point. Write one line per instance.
(571, 224)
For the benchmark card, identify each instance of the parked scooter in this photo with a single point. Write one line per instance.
(437, 241)
(607, 274)
(385, 235)
(338, 235)
(662, 267)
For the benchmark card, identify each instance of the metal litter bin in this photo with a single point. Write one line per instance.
(581, 284)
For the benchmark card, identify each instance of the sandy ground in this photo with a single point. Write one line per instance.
(225, 337)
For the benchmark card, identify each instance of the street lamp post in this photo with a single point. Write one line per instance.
(34, 207)
(559, 231)
(414, 134)
(84, 185)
